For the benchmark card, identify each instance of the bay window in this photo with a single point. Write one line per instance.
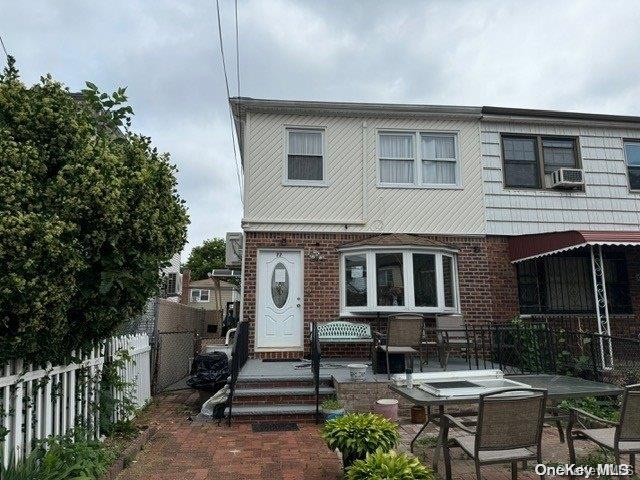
(402, 279)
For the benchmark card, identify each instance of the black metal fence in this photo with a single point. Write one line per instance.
(540, 348)
(239, 356)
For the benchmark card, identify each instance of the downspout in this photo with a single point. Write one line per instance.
(365, 195)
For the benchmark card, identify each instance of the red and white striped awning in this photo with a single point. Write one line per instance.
(526, 247)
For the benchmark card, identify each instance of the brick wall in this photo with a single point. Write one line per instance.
(482, 263)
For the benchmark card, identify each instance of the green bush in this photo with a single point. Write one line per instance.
(357, 434)
(602, 409)
(66, 458)
(89, 212)
(331, 403)
(383, 466)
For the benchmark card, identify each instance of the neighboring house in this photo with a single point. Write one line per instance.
(172, 280)
(205, 294)
(360, 210)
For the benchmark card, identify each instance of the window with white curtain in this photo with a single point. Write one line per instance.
(402, 279)
(305, 155)
(439, 162)
(438, 158)
(397, 158)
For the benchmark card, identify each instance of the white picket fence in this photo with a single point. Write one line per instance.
(36, 403)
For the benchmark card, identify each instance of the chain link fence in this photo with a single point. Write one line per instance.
(175, 333)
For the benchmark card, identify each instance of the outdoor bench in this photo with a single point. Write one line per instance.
(344, 332)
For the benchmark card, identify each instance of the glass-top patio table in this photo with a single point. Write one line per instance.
(559, 387)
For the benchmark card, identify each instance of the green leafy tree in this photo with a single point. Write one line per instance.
(206, 257)
(89, 212)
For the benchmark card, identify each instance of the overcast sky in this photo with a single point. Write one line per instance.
(581, 55)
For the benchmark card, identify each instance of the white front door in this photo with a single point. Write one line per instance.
(279, 300)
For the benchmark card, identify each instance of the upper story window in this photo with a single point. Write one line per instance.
(199, 295)
(397, 158)
(305, 156)
(528, 159)
(632, 157)
(401, 279)
(438, 165)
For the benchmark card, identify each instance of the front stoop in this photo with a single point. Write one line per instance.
(268, 399)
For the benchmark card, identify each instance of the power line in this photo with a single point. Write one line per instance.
(237, 50)
(226, 82)
(5, 50)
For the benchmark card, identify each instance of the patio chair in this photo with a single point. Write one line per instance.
(509, 430)
(404, 336)
(622, 437)
(453, 333)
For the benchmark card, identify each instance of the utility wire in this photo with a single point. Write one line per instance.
(7, 55)
(237, 50)
(226, 82)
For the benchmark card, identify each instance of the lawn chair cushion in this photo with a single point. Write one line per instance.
(406, 350)
(467, 443)
(344, 332)
(605, 437)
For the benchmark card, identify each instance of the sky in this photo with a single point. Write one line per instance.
(565, 55)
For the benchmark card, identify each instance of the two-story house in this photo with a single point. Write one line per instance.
(359, 210)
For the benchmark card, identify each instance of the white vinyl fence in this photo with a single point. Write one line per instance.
(36, 403)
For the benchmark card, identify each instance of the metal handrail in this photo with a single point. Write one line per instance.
(239, 355)
(316, 355)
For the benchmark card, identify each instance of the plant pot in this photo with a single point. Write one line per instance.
(388, 408)
(418, 414)
(331, 414)
(357, 371)
(347, 460)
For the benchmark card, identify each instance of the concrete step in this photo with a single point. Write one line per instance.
(281, 382)
(270, 413)
(282, 391)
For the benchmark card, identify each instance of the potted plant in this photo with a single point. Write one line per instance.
(389, 465)
(332, 408)
(357, 434)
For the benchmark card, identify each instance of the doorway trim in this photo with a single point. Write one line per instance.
(257, 324)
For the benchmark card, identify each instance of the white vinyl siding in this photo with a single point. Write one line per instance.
(351, 198)
(604, 204)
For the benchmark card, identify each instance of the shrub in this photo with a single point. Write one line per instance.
(357, 434)
(89, 212)
(381, 465)
(66, 458)
(331, 403)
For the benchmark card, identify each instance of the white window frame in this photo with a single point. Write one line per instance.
(285, 172)
(199, 295)
(417, 159)
(407, 272)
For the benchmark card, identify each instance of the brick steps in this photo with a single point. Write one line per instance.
(283, 395)
(268, 399)
(274, 413)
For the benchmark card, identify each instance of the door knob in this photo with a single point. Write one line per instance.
(298, 305)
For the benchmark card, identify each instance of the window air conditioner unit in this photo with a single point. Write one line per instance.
(233, 252)
(567, 178)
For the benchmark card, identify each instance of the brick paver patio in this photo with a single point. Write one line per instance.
(183, 449)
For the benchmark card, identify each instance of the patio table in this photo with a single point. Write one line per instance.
(559, 387)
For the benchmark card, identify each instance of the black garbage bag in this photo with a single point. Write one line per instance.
(209, 371)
